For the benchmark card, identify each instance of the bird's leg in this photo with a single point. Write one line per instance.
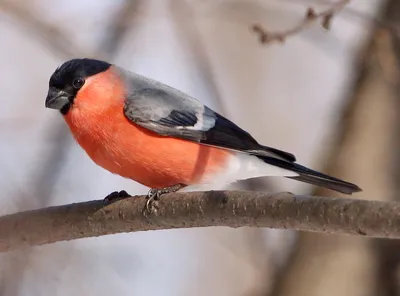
(155, 193)
(115, 196)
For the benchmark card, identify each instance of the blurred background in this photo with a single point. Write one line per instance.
(329, 97)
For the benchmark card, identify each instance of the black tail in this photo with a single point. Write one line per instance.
(336, 185)
(313, 177)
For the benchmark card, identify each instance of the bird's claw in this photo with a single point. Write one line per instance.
(154, 194)
(115, 196)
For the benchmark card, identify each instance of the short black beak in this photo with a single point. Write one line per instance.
(57, 99)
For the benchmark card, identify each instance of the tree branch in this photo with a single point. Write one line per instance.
(201, 209)
(310, 18)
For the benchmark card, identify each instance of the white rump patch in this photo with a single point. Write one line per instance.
(243, 166)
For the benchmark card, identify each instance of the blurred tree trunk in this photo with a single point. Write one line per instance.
(367, 147)
(388, 251)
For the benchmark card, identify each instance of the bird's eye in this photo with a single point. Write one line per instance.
(78, 82)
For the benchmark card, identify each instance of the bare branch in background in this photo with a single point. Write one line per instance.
(310, 18)
(391, 25)
(201, 209)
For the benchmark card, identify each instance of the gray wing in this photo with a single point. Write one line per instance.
(169, 115)
(169, 112)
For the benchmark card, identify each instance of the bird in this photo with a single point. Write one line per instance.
(161, 137)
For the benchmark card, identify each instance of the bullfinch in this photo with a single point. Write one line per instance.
(156, 135)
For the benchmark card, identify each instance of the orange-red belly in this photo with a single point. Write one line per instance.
(126, 149)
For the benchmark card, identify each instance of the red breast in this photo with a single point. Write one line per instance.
(98, 124)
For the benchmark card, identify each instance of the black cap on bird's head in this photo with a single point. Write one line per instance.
(67, 79)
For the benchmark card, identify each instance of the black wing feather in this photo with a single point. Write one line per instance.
(179, 118)
(228, 135)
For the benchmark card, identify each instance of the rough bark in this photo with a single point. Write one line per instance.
(201, 209)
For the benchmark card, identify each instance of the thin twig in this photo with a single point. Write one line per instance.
(310, 18)
(201, 209)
